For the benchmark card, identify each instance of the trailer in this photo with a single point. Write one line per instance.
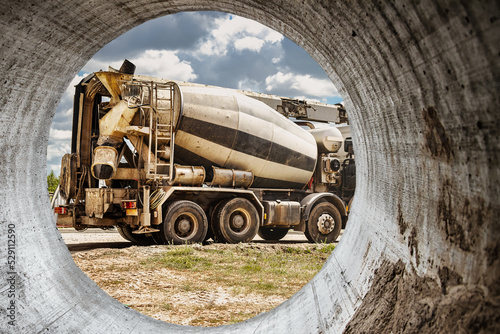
(176, 162)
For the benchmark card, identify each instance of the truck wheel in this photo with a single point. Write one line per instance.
(236, 220)
(184, 222)
(140, 239)
(324, 223)
(272, 233)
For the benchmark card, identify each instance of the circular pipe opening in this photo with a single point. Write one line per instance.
(103, 160)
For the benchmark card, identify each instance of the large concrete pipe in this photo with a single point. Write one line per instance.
(421, 83)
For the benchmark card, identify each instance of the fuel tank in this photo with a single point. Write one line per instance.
(223, 128)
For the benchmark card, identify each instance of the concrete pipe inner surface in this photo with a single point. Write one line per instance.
(421, 82)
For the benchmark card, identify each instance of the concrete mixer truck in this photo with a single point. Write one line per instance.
(175, 162)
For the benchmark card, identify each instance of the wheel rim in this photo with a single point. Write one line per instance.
(326, 223)
(185, 225)
(239, 221)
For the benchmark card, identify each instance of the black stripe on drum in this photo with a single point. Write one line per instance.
(263, 182)
(247, 143)
(190, 158)
(185, 157)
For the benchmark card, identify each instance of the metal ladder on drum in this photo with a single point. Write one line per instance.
(162, 131)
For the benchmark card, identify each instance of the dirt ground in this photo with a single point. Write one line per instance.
(197, 297)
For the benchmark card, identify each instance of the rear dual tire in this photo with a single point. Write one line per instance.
(185, 222)
(235, 220)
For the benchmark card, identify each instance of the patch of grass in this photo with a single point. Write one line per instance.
(215, 251)
(252, 267)
(293, 250)
(181, 250)
(326, 248)
(181, 258)
(267, 286)
(245, 269)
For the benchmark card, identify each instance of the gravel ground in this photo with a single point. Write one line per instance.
(178, 296)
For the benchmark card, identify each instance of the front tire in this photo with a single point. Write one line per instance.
(185, 222)
(324, 223)
(272, 233)
(236, 220)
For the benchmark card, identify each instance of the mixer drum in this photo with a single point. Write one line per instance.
(220, 127)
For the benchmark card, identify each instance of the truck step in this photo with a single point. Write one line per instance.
(145, 229)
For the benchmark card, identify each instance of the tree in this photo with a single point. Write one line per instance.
(52, 182)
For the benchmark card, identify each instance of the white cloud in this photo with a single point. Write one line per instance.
(240, 33)
(60, 134)
(249, 43)
(57, 150)
(67, 113)
(249, 85)
(164, 64)
(94, 65)
(158, 63)
(305, 84)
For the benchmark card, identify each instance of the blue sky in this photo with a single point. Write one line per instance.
(205, 47)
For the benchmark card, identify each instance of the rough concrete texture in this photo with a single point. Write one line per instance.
(421, 81)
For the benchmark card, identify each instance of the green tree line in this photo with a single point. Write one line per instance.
(52, 182)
